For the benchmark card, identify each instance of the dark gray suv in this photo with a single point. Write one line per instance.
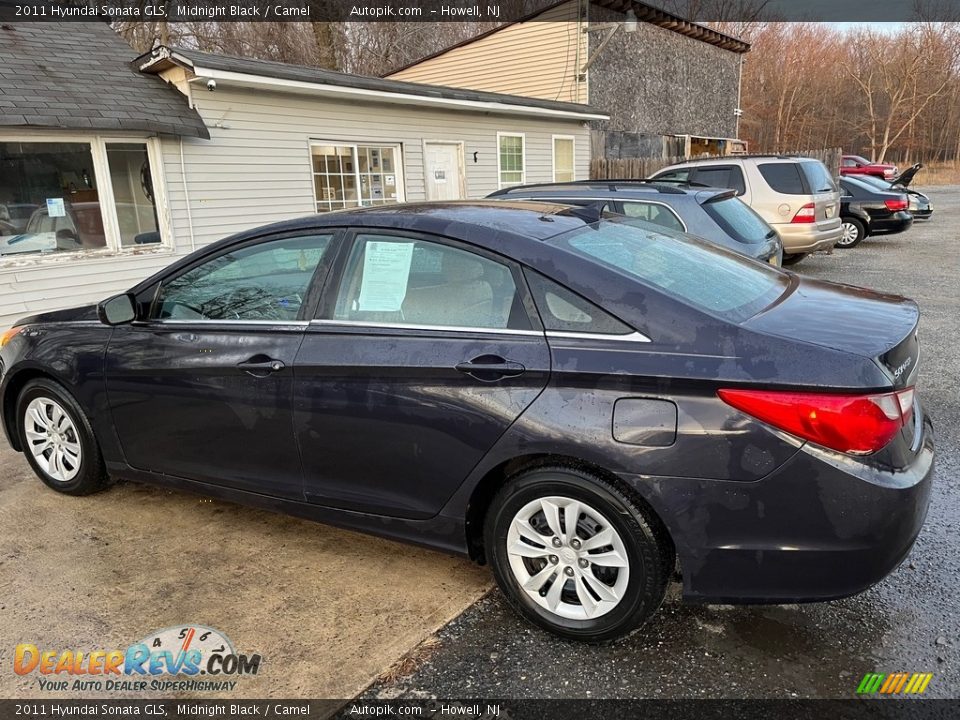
(715, 215)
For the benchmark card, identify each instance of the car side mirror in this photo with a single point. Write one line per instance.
(118, 310)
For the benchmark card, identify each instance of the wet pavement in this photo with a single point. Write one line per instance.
(910, 622)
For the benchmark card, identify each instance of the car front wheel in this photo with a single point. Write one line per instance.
(575, 555)
(853, 233)
(58, 440)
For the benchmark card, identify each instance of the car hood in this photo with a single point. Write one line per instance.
(851, 319)
(86, 312)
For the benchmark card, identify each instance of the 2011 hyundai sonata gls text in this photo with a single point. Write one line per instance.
(579, 403)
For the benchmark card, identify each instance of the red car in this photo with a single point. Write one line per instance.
(856, 165)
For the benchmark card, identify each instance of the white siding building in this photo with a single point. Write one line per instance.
(91, 212)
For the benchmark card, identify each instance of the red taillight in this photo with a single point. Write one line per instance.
(806, 214)
(855, 424)
(896, 205)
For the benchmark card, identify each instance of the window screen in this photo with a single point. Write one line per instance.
(563, 310)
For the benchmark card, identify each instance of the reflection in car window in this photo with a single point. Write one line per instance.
(701, 275)
(563, 310)
(653, 213)
(267, 281)
(739, 220)
(415, 282)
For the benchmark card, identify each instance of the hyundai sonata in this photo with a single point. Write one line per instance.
(580, 402)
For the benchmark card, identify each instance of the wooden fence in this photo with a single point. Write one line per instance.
(639, 168)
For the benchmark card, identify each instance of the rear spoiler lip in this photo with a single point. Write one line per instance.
(722, 195)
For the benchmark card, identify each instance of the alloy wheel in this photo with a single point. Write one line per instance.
(568, 558)
(52, 439)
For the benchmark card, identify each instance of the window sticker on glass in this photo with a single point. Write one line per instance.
(386, 270)
(56, 208)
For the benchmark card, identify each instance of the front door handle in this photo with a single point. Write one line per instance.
(261, 366)
(490, 368)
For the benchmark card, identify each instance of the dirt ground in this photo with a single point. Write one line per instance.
(328, 610)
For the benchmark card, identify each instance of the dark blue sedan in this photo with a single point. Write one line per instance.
(578, 402)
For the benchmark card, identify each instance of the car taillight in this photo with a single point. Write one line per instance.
(854, 424)
(898, 204)
(806, 214)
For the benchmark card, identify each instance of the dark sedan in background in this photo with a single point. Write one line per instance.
(866, 210)
(920, 206)
(712, 214)
(576, 401)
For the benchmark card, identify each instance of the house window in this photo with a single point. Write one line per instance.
(347, 176)
(511, 159)
(72, 196)
(563, 166)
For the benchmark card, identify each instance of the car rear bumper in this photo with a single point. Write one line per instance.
(806, 238)
(822, 526)
(897, 222)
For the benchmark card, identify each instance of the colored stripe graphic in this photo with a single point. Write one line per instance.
(894, 683)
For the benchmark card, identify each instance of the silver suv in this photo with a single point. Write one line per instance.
(796, 195)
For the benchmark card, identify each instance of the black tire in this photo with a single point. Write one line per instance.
(793, 259)
(89, 474)
(649, 552)
(853, 234)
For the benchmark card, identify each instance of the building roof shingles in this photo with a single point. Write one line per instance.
(76, 76)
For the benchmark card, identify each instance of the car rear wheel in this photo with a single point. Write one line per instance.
(794, 258)
(575, 555)
(58, 440)
(852, 235)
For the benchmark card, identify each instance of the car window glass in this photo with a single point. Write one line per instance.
(783, 177)
(699, 274)
(678, 175)
(738, 220)
(653, 213)
(563, 310)
(403, 281)
(721, 176)
(818, 177)
(268, 281)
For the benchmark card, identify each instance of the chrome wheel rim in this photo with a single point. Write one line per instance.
(850, 234)
(52, 439)
(568, 558)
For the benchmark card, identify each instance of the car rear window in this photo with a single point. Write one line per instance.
(738, 221)
(818, 177)
(783, 177)
(704, 276)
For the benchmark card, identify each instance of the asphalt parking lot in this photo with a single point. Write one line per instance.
(909, 622)
(332, 610)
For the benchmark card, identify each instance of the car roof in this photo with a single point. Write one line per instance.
(738, 158)
(612, 186)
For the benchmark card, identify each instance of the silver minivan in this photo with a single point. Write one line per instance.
(795, 195)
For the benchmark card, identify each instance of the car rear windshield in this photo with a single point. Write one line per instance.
(738, 221)
(818, 177)
(699, 274)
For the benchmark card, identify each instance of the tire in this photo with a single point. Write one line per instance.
(793, 259)
(597, 601)
(853, 234)
(72, 465)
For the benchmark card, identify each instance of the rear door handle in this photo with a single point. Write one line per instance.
(259, 367)
(490, 368)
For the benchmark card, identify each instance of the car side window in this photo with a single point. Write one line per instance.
(564, 311)
(267, 281)
(653, 213)
(849, 162)
(783, 177)
(721, 176)
(406, 281)
(678, 175)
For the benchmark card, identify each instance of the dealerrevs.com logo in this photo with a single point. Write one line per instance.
(183, 658)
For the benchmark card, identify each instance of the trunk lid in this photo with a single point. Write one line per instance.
(855, 320)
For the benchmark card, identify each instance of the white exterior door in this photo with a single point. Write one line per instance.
(444, 171)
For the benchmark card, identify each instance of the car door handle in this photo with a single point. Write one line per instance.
(261, 366)
(490, 368)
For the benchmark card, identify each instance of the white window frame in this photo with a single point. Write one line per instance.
(573, 155)
(108, 206)
(523, 164)
(355, 146)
